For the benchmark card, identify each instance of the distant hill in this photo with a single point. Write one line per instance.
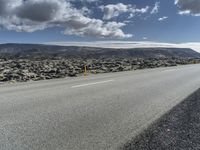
(50, 51)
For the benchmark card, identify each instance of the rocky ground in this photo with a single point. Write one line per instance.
(21, 70)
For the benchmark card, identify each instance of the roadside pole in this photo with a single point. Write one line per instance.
(85, 70)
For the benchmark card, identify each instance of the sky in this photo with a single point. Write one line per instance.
(72, 21)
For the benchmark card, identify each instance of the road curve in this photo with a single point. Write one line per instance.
(90, 113)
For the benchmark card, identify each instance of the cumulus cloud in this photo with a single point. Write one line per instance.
(92, 27)
(33, 15)
(188, 7)
(46, 10)
(162, 18)
(155, 8)
(114, 10)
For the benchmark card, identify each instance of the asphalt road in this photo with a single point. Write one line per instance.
(94, 113)
(176, 130)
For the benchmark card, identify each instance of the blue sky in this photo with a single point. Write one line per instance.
(99, 20)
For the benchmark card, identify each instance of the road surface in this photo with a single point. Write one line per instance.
(98, 112)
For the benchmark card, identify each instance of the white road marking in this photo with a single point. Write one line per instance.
(89, 84)
(170, 70)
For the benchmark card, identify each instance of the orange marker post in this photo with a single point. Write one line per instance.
(85, 70)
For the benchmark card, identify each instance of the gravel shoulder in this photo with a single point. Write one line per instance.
(178, 129)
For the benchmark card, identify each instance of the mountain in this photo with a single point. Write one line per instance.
(51, 51)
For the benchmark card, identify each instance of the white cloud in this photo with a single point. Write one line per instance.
(162, 18)
(155, 8)
(33, 15)
(144, 38)
(129, 44)
(135, 11)
(188, 7)
(91, 27)
(114, 10)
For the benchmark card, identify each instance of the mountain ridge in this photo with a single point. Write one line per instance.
(34, 50)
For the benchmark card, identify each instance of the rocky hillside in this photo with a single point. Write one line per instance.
(49, 51)
(26, 62)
